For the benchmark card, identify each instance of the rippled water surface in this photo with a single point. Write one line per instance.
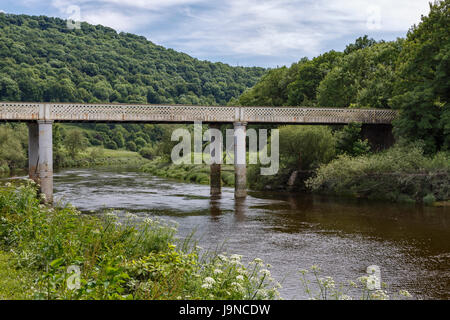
(411, 244)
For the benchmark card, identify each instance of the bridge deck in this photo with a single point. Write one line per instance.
(80, 112)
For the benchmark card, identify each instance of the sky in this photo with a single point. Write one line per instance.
(266, 33)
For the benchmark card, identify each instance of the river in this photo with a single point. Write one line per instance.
(410, 244)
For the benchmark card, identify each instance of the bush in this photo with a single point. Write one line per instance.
(13, 142)
(147, 152)
(398, 174)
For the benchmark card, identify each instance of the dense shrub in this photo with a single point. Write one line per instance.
(402, 173)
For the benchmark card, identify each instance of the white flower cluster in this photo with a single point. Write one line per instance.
(208, 283)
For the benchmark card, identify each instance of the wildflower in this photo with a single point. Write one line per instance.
(241, 271)
(240, 278)
(257, 261)
(345, 297)
(222, 257)
(148, 221)
(236, 257)
(129, 215)
(218, 271)
(265, 272)
(237, 287)
(262, 293)
(110, 215)
(303, 271)
(380, 295)
(327, 282)
(405, 293)
(8, 184)
(208, 283)
(315, 268)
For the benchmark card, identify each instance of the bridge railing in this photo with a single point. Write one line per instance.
(182, 113)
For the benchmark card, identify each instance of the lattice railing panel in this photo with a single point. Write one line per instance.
(19, 111)
(182, 113)
(316, 115)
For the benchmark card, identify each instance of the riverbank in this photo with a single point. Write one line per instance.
(99, 156)
(188, 173)
(57, 253)
(400, 174)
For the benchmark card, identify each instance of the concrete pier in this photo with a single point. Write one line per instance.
(216, 161)
(40, 154)
(240, 161)
(33, 151)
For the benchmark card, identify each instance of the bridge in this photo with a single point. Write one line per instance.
(41, 116)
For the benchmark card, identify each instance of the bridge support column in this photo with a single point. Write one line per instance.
(33, 151)
(40, 149)
(216, 160)
(240, 160)
(380, 136)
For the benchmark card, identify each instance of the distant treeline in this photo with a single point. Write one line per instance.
(43, 60)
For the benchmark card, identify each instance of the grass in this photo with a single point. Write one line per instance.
(99, 156)
(14, 282)
(192, 173)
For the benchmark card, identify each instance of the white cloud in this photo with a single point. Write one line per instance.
(270, 28)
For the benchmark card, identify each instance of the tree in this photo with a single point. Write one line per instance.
(306, 147)
(348, 141)
(423, 89)
(75, 142)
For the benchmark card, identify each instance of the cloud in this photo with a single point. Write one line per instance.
(268, 29)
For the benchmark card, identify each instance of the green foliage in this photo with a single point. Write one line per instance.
(364, 77)
(189, 173)
(306, 147)
(402, 173)
(302, 149)
(360, 43)
(75, 142)
(148, 152)
(42, 60)
(424, 81)
(348, 141)
(295, 86)
(13, 147)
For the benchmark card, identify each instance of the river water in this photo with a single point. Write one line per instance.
(410, 244)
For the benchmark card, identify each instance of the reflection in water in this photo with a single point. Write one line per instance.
(410, 244)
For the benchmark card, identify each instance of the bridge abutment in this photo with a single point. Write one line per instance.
(40, 154)
(240, 160)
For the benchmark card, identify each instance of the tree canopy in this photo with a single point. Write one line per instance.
(43, 60)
